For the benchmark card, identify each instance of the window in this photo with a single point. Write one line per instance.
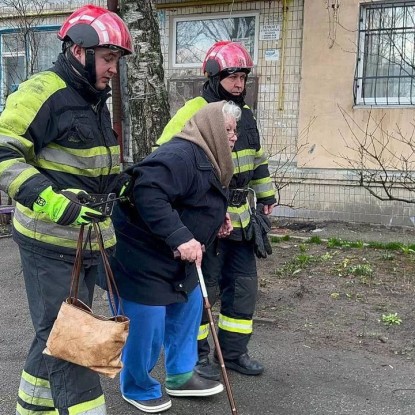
(386, 56)
(22, 56)
(193, 36)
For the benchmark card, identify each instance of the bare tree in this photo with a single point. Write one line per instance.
(285, 160)
(25, 50)
(148, 104)
(26, 15)
(381, 156)
(385, 172)
(208, 32)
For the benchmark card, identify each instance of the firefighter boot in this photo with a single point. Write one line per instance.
(207, 369)
(245, 365)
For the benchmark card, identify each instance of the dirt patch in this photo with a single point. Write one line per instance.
(339, 290)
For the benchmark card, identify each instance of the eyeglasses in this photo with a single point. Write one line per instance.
(231, 133)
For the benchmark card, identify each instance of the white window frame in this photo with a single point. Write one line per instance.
(24, 53)
(375, 101)
(217, 16)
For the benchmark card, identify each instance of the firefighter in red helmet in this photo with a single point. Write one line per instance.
(230, 263)
(57, 147)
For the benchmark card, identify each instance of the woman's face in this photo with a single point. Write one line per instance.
(230, 125)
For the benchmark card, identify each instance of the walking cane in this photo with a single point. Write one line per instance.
(216, 341)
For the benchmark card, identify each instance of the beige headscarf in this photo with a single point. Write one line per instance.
(207, 129)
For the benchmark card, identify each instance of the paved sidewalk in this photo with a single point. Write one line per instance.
(299, 379)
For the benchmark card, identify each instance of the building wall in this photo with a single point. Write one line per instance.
(322, 185)
(278, 98)
(299, 97)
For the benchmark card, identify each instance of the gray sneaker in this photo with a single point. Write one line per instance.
(197, 386)
(151, 406)
(207, 369)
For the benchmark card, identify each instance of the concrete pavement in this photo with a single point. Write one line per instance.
(299, 379)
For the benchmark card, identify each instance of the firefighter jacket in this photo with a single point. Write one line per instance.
(250, 162)
(56, 131)
(177, 197)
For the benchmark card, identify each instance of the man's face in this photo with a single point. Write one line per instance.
(106, 61)
(234, 83)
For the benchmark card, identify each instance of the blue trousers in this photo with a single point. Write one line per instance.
(174, 327)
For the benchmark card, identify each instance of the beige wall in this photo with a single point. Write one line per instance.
(328, 68)
(277, 105)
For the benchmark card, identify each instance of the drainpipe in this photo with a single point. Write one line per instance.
(282, 56)
(112, 6)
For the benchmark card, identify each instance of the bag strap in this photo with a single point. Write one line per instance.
(76, 270)
(77, 266)
(111, 285)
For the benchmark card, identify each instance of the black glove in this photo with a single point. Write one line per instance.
(257, 231)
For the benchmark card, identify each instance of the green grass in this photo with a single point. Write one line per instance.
(341, 243)
(314, 240)
(277, 239)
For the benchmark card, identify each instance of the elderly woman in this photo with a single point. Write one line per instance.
(179, 202)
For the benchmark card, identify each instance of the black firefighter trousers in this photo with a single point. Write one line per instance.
(230, 267)
(48, 383)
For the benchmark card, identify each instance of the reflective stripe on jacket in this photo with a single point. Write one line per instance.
(51, 135)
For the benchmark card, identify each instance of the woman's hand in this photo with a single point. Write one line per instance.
(226, 228)
(191, 251)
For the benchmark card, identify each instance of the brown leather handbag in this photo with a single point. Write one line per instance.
(82, 337)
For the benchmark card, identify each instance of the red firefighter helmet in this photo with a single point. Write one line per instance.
(91, 26)
(227, 55)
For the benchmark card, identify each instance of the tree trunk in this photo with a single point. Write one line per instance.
(148, 102)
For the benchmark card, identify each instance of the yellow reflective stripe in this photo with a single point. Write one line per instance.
(23, 105)
(44, 383)
(203, 332)
(263, 187)
(9, 170)
(249, 152)
(260, 158)
(20, 179)
(176, 124)
(6, 164)
(94, 407)
(240, 216)
(15, 142)
(242, 163)
(235, 325)
(35, 400)
(39, 227)
(23, 411)
(35, 392)
(87, 152)
(75, 170)
(90, 162)
(263, 195)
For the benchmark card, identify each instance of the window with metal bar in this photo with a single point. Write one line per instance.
(385, 67)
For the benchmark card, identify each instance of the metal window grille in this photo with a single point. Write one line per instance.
(385, 67)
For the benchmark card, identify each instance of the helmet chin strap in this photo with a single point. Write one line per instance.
(90, 66)
(88, 71)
